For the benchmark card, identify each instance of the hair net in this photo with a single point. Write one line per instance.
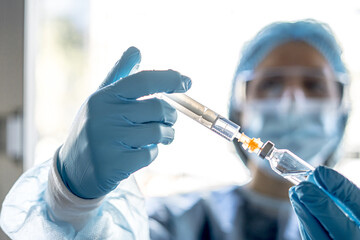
(318, 35)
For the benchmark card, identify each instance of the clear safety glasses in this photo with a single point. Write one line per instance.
(291, 82)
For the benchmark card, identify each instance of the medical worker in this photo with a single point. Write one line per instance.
(289, 88)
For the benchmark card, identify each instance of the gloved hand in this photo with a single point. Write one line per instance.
(114, 134)
(318, 215)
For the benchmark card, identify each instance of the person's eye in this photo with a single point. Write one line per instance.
(315, 87)
(271, 86)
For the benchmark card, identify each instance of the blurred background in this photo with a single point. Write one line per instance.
(53, 54)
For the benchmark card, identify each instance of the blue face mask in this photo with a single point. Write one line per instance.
(312, 130)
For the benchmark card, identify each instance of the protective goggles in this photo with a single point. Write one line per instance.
(275, 83)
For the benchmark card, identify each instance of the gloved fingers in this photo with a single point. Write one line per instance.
(146, 111)
(310, 227)
(131, 160)
(143, 134)
(340, 187)
(323, 208)
(122, 68)
(149, 82)
(304, 235)
(123, 163)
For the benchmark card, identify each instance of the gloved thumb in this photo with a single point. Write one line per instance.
(340, 187)
(130, 60)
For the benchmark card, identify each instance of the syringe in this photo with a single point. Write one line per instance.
(211, 120)
(282, 161)
(202, 114)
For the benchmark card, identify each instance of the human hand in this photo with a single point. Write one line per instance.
(319, 216)
(114, 134)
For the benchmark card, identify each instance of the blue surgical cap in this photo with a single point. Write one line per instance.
(316, 34)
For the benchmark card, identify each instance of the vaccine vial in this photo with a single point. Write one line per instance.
(286, 163)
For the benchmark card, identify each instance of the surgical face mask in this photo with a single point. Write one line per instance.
(311, 129)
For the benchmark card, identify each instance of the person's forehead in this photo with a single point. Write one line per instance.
(294, 53)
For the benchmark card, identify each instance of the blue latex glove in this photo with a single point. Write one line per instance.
(114, 134)
(318, 215)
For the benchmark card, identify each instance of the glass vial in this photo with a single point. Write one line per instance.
(286, 163)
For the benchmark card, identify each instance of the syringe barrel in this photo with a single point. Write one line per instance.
(225, 128)
(202, 115)
(191, 108)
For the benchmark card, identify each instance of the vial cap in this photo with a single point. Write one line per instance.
(268, 147)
